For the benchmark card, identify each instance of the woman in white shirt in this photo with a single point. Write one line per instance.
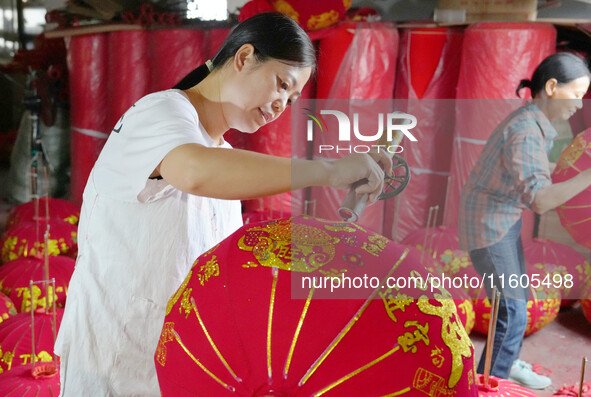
(166, 188)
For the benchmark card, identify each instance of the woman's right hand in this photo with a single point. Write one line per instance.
(357, 167)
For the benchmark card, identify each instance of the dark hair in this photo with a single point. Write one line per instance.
(273, 35)
(562, 66)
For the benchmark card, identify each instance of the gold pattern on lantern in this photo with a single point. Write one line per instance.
(172, 301)
(42, 356)
(409, 339)
(73, 219)
(186, 303)
(167, 336)
(340, 228)
(471, 379)
(6, 359)
(376, 245)
(453, 334)
(572, 153)
(286, 8)
(393, 303)
(323, 20)
(287, 246)
(431, 384)
(39, 301)
(333, 273)
(347, 4)
(210, 269)
(438, 358)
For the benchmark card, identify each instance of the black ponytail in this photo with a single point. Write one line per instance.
(272, 34)
(562, 66)
(193, 78)
(522, 84)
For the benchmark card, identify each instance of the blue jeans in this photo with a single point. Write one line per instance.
(503, 259)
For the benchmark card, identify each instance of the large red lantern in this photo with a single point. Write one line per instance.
(57, 209)
(26, 239)
(557, 265)
(16, 338)
(15, 276)
(575, 214)
(310, 15)
(442, 252)
(253, 318)
(43, 380)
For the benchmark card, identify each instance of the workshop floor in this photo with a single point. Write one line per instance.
(557, 350)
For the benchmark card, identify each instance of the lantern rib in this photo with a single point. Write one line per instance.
(297, 333)
(211, 342)
(357, 371)
(208, 372)
(350, 324)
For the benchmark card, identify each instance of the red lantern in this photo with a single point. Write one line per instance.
(243, 321)
(7, 307)
(557, 265)
(542, 308)
(15, 338)
(310, 15)
(26, 239)
(498, 387)
(15, 276)
(573, 391)
(443, 253)
(575, 214)
(58, 209)
(23, 381)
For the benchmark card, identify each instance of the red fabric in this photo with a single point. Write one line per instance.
(7, 308)
(442, 253)
(15, 276)
(255, 340)
(573, 391)
(21, 381)
(15, 339)
(545, 257)
(542, 309)
(311, 14)
(26, 239)
(215, 39)
(495, 58)
(253, 7)
(427, 75)
(575, 214)
(173, 54)
(129, 71)
(367, 68)
(58, 209)
(88, 76)
(502, 387)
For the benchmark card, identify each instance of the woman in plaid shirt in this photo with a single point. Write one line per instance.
(512, 174)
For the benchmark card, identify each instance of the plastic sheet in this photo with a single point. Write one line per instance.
(129, 71)
(427, 76)
(88, 67)
(367, 71)
(173, 54)
(56, 142)
(495, 57)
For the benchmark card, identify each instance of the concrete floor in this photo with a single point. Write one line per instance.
(556, 350)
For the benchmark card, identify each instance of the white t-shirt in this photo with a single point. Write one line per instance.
(137, 240)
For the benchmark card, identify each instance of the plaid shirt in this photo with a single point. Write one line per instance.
(512, 167)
